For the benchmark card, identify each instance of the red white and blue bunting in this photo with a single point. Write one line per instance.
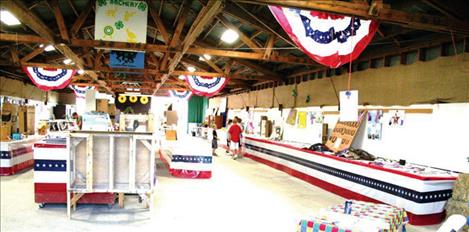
(80, 91)
(185, 95)
(49, 78)
(332, 40)
(206, 86)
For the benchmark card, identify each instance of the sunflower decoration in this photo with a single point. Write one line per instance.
(144, 100)
(122, 98)
(133, 99)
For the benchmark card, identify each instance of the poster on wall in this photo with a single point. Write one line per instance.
(348, 105)
(121, 21)
(344, 132)
(123, 59)
(374, 124)
(302, 119)
(315, 117)
(291, 119)
(396, 118)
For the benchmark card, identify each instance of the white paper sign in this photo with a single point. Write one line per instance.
(349, 106)
(121, 20)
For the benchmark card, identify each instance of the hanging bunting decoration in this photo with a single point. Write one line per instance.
(49, 78)
(329, 39)
(80, 91)
(185, 95)
(206, 86)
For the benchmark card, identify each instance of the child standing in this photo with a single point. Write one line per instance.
(214, 142)
(235, 136)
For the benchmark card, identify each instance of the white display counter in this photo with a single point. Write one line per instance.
(16, 155)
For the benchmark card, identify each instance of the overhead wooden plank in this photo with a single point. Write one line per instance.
(213, 65)
(22, 38)
(159, 23)
(268, 46)
(28, 18)
(33, 54)
(264, 70)
(60, 19)
(205, 16)
(250, 43)
(384, 14)
(14, 55)
(81, 19)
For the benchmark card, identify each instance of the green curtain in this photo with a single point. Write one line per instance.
(197, 107)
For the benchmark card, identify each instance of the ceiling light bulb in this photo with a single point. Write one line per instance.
(191, 69)
(8, 18)
(181, 77)
(41, 45)
(229, 36)
(67, 61)
(49, 48)
(80, 71)
(207, 56)
(201, 58)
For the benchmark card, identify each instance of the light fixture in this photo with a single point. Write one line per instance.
(229, 36)
(81, 71)
(49, 48)
(41, 45)
(8, 18)
(181, 77)
(201, 58)
(191, 69)
(67, 61)
(207, 56)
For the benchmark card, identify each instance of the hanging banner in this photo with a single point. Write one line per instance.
(123, 59)
(80, 91)
(348, 105)
(49, 78)
(343, 134)
(374, 124)
(121, 21)
(132, 104)
(184, 95)
(329, 39)
(206, 86)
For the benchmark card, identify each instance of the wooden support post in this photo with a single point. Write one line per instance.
(75, 199)
(421, 54)
(403, 58)
(121, 200)
(89, 163)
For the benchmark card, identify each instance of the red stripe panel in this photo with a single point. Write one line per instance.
(21, 151)
(429, 219)
(355, 162)
(56, 193)
(7, 171)
(46, 145)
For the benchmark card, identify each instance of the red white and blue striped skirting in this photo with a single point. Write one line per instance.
(16, 156)
(50, 176)
(423, 197)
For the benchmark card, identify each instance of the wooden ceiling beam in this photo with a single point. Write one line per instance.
(81, 19)
(269, 46)
(264, 70)
(60, 20)
(33, 54)
(159, 23)
(383, 14)
(14, 55)
(243, 37)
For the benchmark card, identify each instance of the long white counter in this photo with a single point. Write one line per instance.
(423, 195)
(16, 155)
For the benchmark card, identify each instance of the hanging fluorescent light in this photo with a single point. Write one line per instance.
(207, 56)
(191, 69)
(67, 61)
(181, 77)
(49, 48)
(8, 18)
(81, 71)
(229, 36)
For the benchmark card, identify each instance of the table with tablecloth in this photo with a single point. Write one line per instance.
(422, 194)
(16, 155)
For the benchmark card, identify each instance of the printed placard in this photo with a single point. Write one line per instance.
(348, 105)
(343, 134)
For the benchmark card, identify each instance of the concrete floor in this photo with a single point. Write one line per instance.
(242, 195)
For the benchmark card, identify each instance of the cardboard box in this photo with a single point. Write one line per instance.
(5, 131)
(171, 135)
(102, 105)
(111, 109)
(30, 120)
(171, 118)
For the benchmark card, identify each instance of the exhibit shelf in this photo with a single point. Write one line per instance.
(422, 195)
(16, 156)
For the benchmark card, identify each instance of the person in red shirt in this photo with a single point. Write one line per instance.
(235, 136)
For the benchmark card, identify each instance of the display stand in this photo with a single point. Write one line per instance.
(50, 176)
(188, 157)
(16, 155)
(126, 162)
(422, 195)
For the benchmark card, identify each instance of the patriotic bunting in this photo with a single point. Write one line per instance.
(206, 86)
(185, 95)
(80, 91)
(329, 39)
(49, 78)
